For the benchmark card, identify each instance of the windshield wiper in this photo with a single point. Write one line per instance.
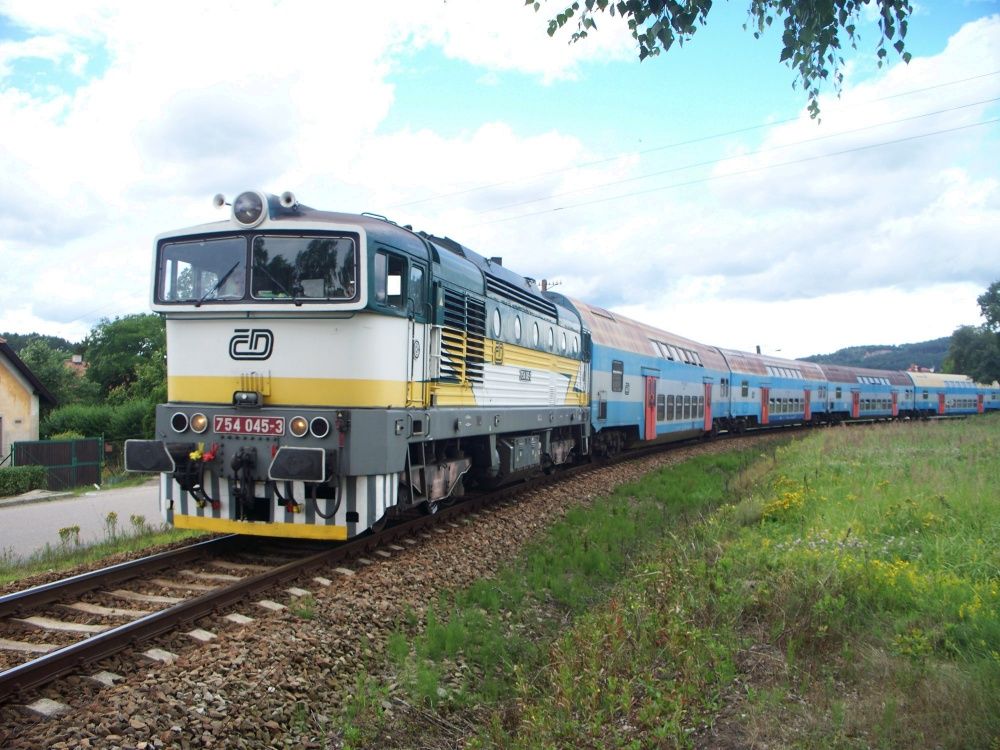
(218, 284)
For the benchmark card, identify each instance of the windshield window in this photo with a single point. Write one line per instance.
(287, 267)
(198, 271)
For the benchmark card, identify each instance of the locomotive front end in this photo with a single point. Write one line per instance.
(277, 376)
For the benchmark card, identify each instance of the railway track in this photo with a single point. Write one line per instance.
(213, 576)
(255, 679)
(158, 578)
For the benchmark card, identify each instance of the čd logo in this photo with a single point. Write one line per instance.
(251, 343)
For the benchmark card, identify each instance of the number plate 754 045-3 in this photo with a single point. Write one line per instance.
(237, 424)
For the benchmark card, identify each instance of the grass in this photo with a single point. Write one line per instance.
(489, 645)
(69, 553)
(119, 538)
(840, 591)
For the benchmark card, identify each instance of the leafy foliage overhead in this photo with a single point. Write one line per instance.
(812, 40)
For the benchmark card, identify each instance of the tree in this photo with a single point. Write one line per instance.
(811, 41)
(975, 352)
(989, 304)
(19, 341)
(49, 366)
(126, 351)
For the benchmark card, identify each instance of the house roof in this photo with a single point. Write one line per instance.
(40, 389)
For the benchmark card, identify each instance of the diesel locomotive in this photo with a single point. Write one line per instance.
(326, 371)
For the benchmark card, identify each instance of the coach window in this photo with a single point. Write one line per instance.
(563, 343)
(576, 346)
(496, 323)
(617, 375)
(670, 407)
(552, 339)
(687, 407)
(389, 274)
(838, 393)
(517, 328)
(661, 407)
(534, 334)
(745, 389)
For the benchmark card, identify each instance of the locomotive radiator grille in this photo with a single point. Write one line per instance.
(463, 348)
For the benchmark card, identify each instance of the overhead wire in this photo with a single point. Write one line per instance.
(711, 162)
(752, 170)
(677, 144)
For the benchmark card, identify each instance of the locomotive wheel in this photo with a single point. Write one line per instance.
(430, 507)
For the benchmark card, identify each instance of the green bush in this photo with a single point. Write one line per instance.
(15, 480)
(87, 419)
(132, 419)
(127, 421)
(69, 435)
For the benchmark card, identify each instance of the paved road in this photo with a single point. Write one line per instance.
(27, 527)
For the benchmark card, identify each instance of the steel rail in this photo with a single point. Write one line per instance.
(70, 658)
(46, 593)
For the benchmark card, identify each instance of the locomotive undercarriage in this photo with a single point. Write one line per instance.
(439, 471)
(373, 464)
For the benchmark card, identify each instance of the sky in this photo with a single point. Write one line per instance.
(690, 191)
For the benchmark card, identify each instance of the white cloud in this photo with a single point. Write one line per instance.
(291, 95)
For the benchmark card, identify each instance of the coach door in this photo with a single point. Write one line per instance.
(708, 407)
(808, 402)
(895, 403)
(855, 404)
(980, 406)
(650, 428)
(940, 403)
(765, 406)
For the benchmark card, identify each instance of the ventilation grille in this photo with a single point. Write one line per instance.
(463, 350)
(514, 293)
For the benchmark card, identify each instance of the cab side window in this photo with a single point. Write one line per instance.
(390, 274)
(416, 291)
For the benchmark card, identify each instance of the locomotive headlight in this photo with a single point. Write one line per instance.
(199, 423)
(179, 422)
(319, 427)
(248, 209)
(299, 426)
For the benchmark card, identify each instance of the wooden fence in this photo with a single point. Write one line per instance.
(70, 463)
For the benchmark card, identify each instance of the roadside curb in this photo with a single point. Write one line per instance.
(35, 496)
(43, 496)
